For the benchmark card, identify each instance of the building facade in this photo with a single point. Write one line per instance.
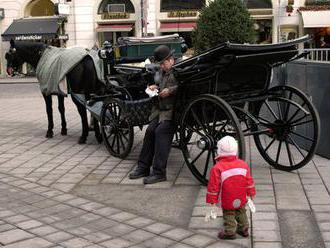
(89, 23)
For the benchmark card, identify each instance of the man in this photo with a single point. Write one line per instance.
(159, 134)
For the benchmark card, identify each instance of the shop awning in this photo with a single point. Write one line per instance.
(177, 26)
(114, 27)
(32, 29)
(316, 19)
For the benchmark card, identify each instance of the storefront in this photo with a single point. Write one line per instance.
(116, 18)
(179, 16)
(316, 23)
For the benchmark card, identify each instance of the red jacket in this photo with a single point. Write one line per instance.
(230, 179)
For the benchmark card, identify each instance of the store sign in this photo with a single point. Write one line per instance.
(2, 13)
(28, 37)
(186, 13)
(63, 37)
(62, 9)
(116, 15)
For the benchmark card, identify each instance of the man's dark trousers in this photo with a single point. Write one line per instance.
(156, 146)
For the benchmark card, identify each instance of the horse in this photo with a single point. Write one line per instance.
(82, 79)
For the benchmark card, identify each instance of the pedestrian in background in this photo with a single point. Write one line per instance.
(229, 186)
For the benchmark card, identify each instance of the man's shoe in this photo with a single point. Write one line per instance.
(244, 233)
(154, 179)
(223, 235)
(138, 173)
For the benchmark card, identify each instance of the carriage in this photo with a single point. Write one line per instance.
(222, 91)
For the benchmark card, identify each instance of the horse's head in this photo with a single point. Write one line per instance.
(20, 52)
(13, 60)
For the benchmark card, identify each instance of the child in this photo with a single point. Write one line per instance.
(230, 183)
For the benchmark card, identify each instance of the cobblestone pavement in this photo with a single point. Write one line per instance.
(39, 209)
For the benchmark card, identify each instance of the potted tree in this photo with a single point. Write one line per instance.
(289, 9)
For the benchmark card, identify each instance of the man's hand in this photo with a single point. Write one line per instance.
(164, 93)
(153, 87)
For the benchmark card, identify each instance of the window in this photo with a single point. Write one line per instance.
(172, 5)
(258, 4)
(115, 5)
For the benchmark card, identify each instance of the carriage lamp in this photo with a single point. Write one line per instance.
(201, 144)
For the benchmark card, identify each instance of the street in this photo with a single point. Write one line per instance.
(57, 193)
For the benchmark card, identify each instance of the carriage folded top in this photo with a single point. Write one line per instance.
(235, 69)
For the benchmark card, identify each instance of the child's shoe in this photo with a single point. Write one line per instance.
(223, 235)
(244, 233)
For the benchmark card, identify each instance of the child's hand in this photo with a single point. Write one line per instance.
(211, 214)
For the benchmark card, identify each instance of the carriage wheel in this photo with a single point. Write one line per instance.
(291, 128)
(117, 132)
(206, 120)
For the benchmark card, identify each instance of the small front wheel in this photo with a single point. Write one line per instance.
(117, 132)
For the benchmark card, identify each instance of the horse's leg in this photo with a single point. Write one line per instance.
(49, 110)
(84, 121)
(97, 131)
(61, 108)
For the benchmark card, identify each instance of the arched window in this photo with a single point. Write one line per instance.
(258, 4)
(39, 8)
(105, 5)
(173, 5)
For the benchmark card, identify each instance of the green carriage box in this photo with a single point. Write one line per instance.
(134, 48)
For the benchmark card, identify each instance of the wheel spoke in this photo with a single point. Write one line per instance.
(279, 110)
(118, 148)
(122, 142)
(297, 147)
(195, 130)
(200, 154)
(289, 152)
(302, 136)
(278, 152)
(205, 118)
(295, 113)
(207, 163)
(287, 107)
(302, 123)
(214, 121)
(271, 110)
(198, 121)
(269, 145)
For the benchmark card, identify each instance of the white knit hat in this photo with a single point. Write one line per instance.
(227, 146)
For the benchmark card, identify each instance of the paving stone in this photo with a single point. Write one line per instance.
(29, 224)
(139, 222)
(199, 222)
(76, 243)
(266, 236)
(107, 211)
(177, 234)
(180, 245)
(265, 225)
(123, 216)
(97, 237)
(31, 243)
(198, 240)
(58, 237)
(158, 228)
(158, 242)
(117, 243)
(119, 230)
(43, 230)
(138, 236)
(6, 227)
(15, 235)
(267, 245)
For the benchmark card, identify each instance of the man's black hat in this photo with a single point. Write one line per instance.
(162, 53)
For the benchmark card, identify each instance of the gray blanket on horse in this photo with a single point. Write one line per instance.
(56, 62)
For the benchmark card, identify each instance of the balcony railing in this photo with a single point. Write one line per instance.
(318, 54)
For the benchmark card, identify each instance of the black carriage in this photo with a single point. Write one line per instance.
(223, 91)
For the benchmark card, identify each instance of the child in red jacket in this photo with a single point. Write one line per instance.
(229, 185)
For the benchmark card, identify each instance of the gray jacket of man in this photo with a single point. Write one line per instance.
(165, 106)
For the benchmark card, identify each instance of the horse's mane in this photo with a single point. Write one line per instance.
(30, 51)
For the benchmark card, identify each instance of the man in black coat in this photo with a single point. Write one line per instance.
(159, 134)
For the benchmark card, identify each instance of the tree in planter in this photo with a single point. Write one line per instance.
(221, 21)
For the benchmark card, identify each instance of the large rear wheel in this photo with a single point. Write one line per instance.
(289, 128)
(205, 121)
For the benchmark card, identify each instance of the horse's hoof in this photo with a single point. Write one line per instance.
(82, 140)
(64, 131)
(49, 134)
